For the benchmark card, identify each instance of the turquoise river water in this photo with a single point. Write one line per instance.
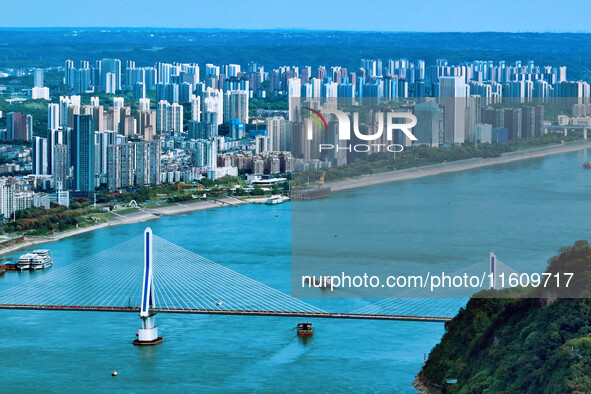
(527, 209)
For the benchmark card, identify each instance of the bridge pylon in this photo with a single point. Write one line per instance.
(148, 333)
(493, 270)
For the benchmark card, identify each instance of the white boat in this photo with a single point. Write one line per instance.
(39, 263)
(42, 253)
(38, 260)
(274, 200)
(24, 262)
(43, 259)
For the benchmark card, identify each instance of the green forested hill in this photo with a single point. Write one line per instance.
(533, 345)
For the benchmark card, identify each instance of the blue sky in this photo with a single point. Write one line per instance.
(376, 15)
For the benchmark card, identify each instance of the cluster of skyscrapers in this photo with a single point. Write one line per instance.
(479, 101)
(87, 146)
(170, 130)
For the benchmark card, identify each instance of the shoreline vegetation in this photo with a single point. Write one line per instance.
(422, 156)
(36, 225)
(137, 215)
(453, 166)
(531, 339)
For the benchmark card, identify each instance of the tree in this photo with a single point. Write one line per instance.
(257, 191)
(276, 189)
(206, 182)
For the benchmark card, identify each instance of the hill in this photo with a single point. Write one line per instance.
(529, 345)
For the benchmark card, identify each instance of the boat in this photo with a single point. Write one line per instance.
(42, 253)
(38, 260)
(305, 329)
(24, 262)
(587, 164)
(42, 260)
(274, 200)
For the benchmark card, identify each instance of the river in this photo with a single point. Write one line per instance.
(526, 210)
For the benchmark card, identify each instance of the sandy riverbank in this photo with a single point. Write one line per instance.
(184, 207)
(141, 215)
(454, 166)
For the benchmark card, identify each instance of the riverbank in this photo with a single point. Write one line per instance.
(425, 387)
(454, 166)
(154, 212)
(138, 216)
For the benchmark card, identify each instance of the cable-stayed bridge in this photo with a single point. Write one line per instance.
(175, 280)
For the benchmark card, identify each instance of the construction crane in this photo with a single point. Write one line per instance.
(321, 180)
(182, 185)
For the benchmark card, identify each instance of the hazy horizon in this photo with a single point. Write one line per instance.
(424, 16)
(281, 29)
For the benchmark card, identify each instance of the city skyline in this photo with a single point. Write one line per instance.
(376, 15)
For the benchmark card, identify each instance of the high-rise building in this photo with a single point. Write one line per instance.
(110, 75)
(161, 118)
(144, 104)
(118, 102)
(82, 149)
(19, 126)
(212, 100)
(528, 122)
(104, 139)
(168, 92)
(154, 168)
(39, 91)
(139, 91)
(54, 137)
(514, 122)
(6, 198)
(69, 106)
(81, 80)
(169, 117)
(195, 108)
(276, 131)
(146, 119)
(452, 97)
(68, 65)
(205, 154)
(128, 125)
(483, 133)
(237, 129)
(429, 128)
(133, 164)
(185, 92)
(98, 118)
(294, 91)
(539, 118)
(60, 164)
(53, 116)
(110, 83)
(236, 105)
(39, 156)
(175, 118)
(114, 174)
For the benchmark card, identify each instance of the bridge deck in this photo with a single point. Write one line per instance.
(316, 315)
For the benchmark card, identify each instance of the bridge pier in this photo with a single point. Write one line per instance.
(148, 334)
